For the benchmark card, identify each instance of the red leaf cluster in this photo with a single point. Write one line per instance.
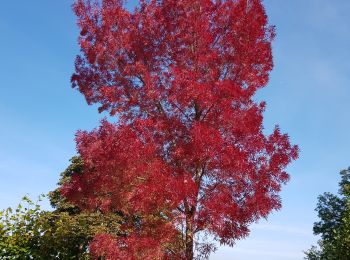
(188, 154)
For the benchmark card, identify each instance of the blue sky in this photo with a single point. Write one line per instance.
(308, 96)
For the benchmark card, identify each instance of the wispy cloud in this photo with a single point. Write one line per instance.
(282, 229)
(262, 250)
(281, 254)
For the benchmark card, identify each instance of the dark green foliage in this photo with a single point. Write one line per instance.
(64, 233)
(58, 202)
(334, 225)
(330, 210)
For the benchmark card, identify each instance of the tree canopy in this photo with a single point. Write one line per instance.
(188, 155)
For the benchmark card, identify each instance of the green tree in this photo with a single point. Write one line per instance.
(18, 228)
(334, 224)
(28, 232)
(57, 201)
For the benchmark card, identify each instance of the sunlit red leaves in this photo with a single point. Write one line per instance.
(121, 173)
(198, 42)
(155, 241)
(189, 145)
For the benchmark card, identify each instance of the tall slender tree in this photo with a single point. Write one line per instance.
(188, 153)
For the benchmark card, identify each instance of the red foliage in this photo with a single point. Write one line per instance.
(188, 153)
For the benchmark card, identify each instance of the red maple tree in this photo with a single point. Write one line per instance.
(188, 156)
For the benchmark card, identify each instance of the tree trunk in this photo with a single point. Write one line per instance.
(189, 236)
(189, 249)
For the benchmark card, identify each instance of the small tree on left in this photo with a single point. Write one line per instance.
(28, 232)
(17, 228)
